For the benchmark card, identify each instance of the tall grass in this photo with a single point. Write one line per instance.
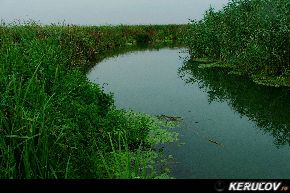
(54, 123)
(252, 36)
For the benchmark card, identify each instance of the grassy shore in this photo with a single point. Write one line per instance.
(54, 123)
(250, 36)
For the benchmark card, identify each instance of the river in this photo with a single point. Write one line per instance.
(231, 128)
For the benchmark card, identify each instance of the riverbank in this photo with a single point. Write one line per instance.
(54, 122)
(251, 37)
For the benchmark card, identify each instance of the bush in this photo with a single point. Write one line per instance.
(252, 35)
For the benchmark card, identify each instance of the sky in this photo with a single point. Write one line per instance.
(100, 12)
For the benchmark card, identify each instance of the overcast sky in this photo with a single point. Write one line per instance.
(98, 12)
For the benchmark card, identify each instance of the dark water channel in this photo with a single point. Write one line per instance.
(231, 127)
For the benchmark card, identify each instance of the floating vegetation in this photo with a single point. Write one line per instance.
(275, 81)
(215, 65)
(169, 118)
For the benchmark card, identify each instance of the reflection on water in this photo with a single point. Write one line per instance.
(231, 127)
(268, 107)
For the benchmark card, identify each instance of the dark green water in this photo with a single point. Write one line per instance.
(250, 123)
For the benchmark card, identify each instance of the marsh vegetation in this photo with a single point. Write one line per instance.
(251, 36)
(54, 123)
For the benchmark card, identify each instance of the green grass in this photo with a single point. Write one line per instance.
(54, 123)
(253, 36)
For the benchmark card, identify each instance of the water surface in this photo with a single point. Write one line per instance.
(231, 127)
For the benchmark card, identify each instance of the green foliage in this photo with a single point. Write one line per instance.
(251, 35)
(54, 123)
(130, 153)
